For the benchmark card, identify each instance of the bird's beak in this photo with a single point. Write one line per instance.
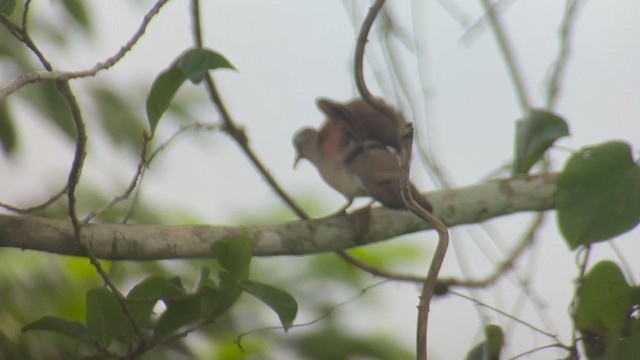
(296, 160)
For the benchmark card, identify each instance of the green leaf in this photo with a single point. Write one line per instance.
(78, 11)
(278, 300)
(7, 6)
(72, 329)
(162, 91)
(196, 62)
(117, 116)
(490, 348)
(534, 135)
(604, 301)
(234, 255)
(8, 139)
(104, 316)
(178, 313)
(192, 65)
(143, 298)
(598, 194)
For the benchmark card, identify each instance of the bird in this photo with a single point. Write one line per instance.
(356, 152)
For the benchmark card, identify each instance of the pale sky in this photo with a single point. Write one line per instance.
(289, 53)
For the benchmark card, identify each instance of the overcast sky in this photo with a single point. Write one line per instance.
(289, 53)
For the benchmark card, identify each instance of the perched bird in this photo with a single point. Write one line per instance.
(356, 153)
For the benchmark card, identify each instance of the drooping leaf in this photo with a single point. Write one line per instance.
(104, 318)
(192, 65)
(7, 6)
(72, 329)
(195, 63)
(162, 91)
(605, 300)
(234, 255)
(534, 135)
(8, 140)
(598, 194)
(278, 300)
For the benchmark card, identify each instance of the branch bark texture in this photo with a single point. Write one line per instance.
(472, 204)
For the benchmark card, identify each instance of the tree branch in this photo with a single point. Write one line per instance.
(467, 205)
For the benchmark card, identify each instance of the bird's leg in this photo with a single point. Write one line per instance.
(343, 210)
(366, 208)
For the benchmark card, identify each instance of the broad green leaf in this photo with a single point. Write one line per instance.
(104, 316)
(598, 194)
(534, 135)
(8, 139)
(72, 329)
(162, 91)
(174, 288)
(217, 302)
(143, 298)
(604, 301)
(7, 6)
(178, 313)
(234, 255)
(196, 62)
(278, 300)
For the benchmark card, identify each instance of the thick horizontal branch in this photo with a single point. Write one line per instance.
(466, 205)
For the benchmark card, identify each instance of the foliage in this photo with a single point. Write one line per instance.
(598, 198)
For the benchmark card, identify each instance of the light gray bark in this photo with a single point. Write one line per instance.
(466, 205)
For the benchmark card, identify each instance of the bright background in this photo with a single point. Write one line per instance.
(288, 54)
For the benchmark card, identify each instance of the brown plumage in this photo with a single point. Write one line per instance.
(356, 152)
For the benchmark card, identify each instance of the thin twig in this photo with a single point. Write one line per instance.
(509, 58)
(238, 134)
(142, 163)
(75, 172)
(582, 266)
(559, 65)
(429, 283)
(358, 68)
(327, 314)
(430, 280)
(34, 208)
(505, 265)
(32, 77)
(507, 315)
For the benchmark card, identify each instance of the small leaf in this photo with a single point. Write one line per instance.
(192, 65)
(162, 91)
(196, 62)
(490, 348)
(73, 329)
(604, 301)
(7, 6)
(598, 194)
(104, 315)
(278, 300)
(534, 135)
(8, 139)
(234, 255)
